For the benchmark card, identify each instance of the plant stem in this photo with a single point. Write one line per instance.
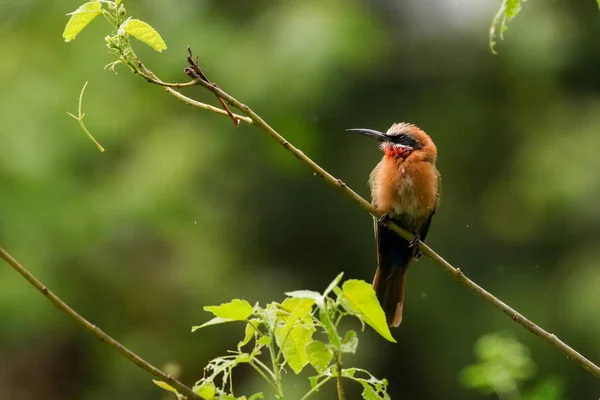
(316, 388)
(275, 367)
(103, 337)
(265, 377)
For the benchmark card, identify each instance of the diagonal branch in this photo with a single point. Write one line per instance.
(455, 273)
(103, 337)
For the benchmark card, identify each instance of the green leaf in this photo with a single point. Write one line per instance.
(361, 301)
(333, 284)
(249, 332)
(80, 18)
(306, 294)
(373, 388)
(298, 308)
(214, 321)
(296, 331)
(314, 381)
(507, 11)
(265, 340)
(548, 389)
(319, 355)
(236, 309)
(206, 391)
(350, 342)
(144, 32)
(165, 386)
(257, 396)
(503, 364)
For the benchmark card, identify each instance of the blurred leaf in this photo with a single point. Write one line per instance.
(144, 32)
(319, 355)
(362, 302)
(547, 389)
(80, 18)
(256, 396)
(165, 386)
(350, 342)
(206, 391)
(503, 363)
(507, 11)
(236, 309)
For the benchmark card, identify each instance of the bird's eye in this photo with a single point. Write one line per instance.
(406, 140)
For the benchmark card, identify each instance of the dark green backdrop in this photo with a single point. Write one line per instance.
(183, 210)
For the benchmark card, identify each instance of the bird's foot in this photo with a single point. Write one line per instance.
(414, 241)
(384, 220)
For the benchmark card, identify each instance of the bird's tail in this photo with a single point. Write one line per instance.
(393, 256)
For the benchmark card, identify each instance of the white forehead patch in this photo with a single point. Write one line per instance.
(401, 128)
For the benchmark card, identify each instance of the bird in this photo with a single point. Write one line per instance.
(405, 188)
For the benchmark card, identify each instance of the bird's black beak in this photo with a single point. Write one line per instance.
(382, 137)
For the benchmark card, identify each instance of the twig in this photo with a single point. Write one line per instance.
(80, 117)
(152, 78)
(103, 337)
(456, 273)
(195, 72)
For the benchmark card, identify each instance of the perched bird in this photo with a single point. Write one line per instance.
(405, 188)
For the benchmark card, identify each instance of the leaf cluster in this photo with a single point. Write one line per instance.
(301, 330)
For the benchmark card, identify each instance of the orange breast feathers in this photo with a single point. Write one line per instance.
(408, 185)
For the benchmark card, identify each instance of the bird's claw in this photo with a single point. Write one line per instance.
(414, 242)
(385, 218)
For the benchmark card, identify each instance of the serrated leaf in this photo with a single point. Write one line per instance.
(165, 386)
(80, 18)
(293, 347)
(236, 309)
(362, 302)
(249, 332)
(298, 308)
(350, 342)
(319, 355)
(144, 32)
(296, 332)
(206, 391)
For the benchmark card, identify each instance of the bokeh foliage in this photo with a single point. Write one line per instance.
(183, 210)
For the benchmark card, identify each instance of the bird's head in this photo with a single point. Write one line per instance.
(401, 140)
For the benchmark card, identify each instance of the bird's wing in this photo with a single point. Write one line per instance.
(425, 227)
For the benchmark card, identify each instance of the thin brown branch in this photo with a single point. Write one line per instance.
(103, 337)
(456, 273)
(152, 78)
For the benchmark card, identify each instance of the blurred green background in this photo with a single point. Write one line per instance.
(183, 210)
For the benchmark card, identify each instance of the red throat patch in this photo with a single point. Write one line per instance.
(396, 151)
